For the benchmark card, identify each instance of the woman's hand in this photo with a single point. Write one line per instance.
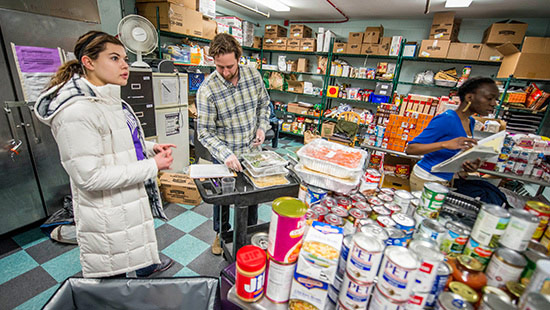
(471, 166)
(158, 148)
(460, 143)
(164, 159)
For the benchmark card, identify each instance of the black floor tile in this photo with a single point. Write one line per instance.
(205, 232)
(173, 210)
(204, 209)
(167, 234)
(44, 251)
(24, 287)
(8, 246)
(208, 264)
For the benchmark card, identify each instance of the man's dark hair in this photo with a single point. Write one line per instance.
(224, 43)
(472, 85)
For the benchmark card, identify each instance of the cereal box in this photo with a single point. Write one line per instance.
(320, 252)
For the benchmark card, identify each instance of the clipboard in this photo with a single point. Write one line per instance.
(200, 171)
(485, 149)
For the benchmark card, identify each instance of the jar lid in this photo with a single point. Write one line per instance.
(289, 207)
(464, 291)
(251, 258)
(470, 263)
(495, 290)
(515, 288)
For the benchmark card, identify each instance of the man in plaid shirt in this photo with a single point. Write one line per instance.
(233, 116)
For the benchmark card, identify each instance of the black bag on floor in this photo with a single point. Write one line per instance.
(60, 225)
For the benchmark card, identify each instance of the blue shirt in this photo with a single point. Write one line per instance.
(445, 126)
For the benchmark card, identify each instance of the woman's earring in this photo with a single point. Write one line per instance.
(467, 106)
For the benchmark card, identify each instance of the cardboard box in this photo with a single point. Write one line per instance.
(327, 129)
(355, 38)
(536, 45)
(179, 188)
(466, 51)
(308, 45)
(209, 28)
(300, 31)
(339, 47)
(354, 48)
(191, 4)
(293, 44)
(207, 8)
(385, 46)
(257, 42)
(279, 44)
(294, 107)
(523, 65)
(507, 31)
(275, 31)
(434, 48)
(490, 53)
(396, 42)
(369, 49)
(269, 43)
(373, 34)
(295, 87)
(303, 65)
(232, 21)
(445, 32)
(441, 18)
(173, 17)
(309, 291)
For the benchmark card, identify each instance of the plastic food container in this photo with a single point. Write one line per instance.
(261, 162)
(344, 186)
(269, 181)
(269, 171)
(333, 159)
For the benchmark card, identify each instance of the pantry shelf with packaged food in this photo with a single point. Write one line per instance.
(426, 85)
(294, 72)
(542, 184)
(396, 153)
(353, 101)
(367, 56)
(452, 61)
(177, 63)
(298, 114)
(360, 79)
(291, 93)
(296, 52)
(199, 39)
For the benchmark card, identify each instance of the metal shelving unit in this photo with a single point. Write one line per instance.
(426, 85)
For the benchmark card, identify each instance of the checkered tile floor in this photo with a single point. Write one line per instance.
(32, 266)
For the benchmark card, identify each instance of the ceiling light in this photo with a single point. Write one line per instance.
(244, 6)
(458, 3)
(275, 5)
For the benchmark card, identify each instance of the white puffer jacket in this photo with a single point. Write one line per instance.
(115, 229)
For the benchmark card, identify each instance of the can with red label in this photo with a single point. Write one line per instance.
(375, 202)
(385, 198)
(417, 300)
(344, 202)
(542, 211)
(355, 215)
(357, 198)
(379, 211)
(394, 208)
(321, 210)
(334, 220)
(456, 237)
(313, 215)
(249, 281)
(328, 202)
(363, 206)
(480, 252)
(340, 211)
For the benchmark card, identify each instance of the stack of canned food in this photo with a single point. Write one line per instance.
(398, 253)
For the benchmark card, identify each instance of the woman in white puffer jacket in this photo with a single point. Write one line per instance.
(112, 169)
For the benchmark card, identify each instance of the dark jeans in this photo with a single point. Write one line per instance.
(252, 217)
(252, 214)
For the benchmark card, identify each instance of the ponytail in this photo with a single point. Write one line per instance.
(89, 44)
(66, 72)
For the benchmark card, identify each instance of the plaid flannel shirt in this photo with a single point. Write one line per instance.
(228, 115)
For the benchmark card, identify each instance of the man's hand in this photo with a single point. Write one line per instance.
(260, 137)
(233, 163)
(158, 148)
(460, 143)
(471, 166)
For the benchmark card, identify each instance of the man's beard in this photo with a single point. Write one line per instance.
(231, 76)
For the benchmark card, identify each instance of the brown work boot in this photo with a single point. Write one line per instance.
(216, 248)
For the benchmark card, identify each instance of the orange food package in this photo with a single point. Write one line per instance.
(345, 158)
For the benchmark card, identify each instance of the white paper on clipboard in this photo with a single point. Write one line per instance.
(199, 171)
(485, 149)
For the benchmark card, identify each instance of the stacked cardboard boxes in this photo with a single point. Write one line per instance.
(371, 40)
(180, 16)
(445, 27)
(499, 33)
(275, 37)
(533, 62)
(231, 25)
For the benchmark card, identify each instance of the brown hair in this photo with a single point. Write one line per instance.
(89, 44)
(224, 43)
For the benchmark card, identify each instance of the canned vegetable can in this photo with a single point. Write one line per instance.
(490, 224)
(505, 265)
(433, 196)
(520, 230)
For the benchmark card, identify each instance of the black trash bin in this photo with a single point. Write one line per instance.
(190, 293)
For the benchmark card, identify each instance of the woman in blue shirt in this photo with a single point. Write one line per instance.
(452, 131)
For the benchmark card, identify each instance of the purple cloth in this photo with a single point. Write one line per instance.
(133, 124)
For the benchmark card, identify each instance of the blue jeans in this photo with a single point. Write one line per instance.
(252, 215)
